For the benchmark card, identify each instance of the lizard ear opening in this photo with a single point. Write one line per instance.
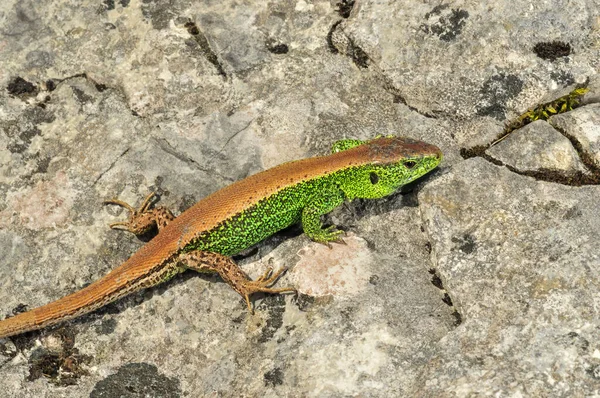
(410, 164)
(374, 178)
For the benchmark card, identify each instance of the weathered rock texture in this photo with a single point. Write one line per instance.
(480, 280)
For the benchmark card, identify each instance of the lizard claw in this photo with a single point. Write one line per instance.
(142, 209)
(142, 219)
(266, 275)
(262, 285)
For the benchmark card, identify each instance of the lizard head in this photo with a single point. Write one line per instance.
(385, 164)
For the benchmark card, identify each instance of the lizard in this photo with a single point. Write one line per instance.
(205, 236)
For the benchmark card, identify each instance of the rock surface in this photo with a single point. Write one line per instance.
(478, 280)
(521, 269)
(582, 126)
(537, 146)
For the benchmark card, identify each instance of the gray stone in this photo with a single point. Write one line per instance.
(583, 126)
(518, 259)
(478, 132)
(116, 98)
(593, 95)
(460, 60)
(537, 147)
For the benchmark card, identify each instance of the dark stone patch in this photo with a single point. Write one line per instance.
(444, 22)
(273, 377)
(45, 363)
(192, 28)
(436, 280)
(574, 339)
(447, 300)
(8, 351)
(593, 372)
(109, 4)
(44, 102)
(21, 88)
(21, 142)
(495, 93)
(100, 87)
(20, 308)
(37, 115)
(304, 301)
(457, 318)
(28, 135)
(437, 10)
(278, 48)
(371, 244)
(398, 99)
(137, 380)
(81, 96)
(552, 50)
(50, 85)
(563, 78)
(360, 58)
(42, 164)
(374, 279)
(467, 243)
(107, 326)
(61, 367)
(16, 147)
(159, 12)
(275, 307)
(344, 7)
(573, 212)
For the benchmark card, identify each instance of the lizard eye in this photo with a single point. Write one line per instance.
(374, 178)
(410, 164)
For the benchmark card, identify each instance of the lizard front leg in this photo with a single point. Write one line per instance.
(230, 272)
(322, 203)
(141, 220)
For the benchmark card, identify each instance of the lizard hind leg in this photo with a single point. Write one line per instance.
(142, 219)
(229, 271)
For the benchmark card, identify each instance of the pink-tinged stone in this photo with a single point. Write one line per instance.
(47, 204)
(343, 270)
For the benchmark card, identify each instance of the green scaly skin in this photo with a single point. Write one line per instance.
(307, 201)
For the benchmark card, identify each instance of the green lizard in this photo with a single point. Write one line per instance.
(238, 216)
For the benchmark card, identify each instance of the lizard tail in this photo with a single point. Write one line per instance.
(130, 276)
(71, 306)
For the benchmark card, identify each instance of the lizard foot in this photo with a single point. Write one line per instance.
(141, 220)
(262, 284)
(330, 235)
